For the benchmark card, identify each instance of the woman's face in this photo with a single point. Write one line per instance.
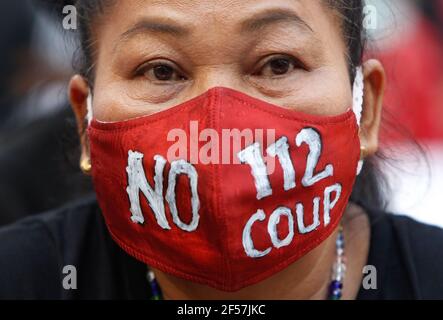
(152, 55)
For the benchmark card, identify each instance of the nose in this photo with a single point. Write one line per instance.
(209, 77)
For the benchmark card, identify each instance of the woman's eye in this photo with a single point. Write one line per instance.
(278, 67)
(162, 72)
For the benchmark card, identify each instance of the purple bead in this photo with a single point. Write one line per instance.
(155, 288)
(336, 285)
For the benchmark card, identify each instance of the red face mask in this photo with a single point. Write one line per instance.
(225, 189)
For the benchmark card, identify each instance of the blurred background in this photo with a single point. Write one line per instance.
(39, 147)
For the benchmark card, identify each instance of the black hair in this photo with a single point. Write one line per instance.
(370, 188)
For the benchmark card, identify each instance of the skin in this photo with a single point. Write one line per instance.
(242, 45)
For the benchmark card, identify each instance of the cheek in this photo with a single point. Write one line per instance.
(326, 91)
(118, 100)
(114, 104)
(322, 95)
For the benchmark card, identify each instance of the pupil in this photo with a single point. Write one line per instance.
(280, 66)
(163, 72)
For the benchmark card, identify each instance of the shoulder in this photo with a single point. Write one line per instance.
(421, 249)
(424, 241)
(34, 251)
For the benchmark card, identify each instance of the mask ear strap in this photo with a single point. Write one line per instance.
(89, 114)
(357, 103)
(357, 94)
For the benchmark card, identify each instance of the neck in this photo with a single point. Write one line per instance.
(308, 278)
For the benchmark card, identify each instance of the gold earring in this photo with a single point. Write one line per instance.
(85, 165)
(363, 152)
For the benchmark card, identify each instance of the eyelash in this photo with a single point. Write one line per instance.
(270, 58)
(146, 67)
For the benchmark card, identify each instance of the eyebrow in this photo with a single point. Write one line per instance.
(273, 16)
(257, 22)
(155, 26)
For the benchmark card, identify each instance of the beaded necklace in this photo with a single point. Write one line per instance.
(339, 268)
(335, 289)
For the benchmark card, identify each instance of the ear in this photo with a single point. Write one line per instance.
(374, 89)
(78, 95)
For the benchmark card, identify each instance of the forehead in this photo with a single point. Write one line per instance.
(224, 15)
(225, 7)
(216, 31)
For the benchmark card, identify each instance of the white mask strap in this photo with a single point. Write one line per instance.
(89, 108)
(357, 94)
(357, 103)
